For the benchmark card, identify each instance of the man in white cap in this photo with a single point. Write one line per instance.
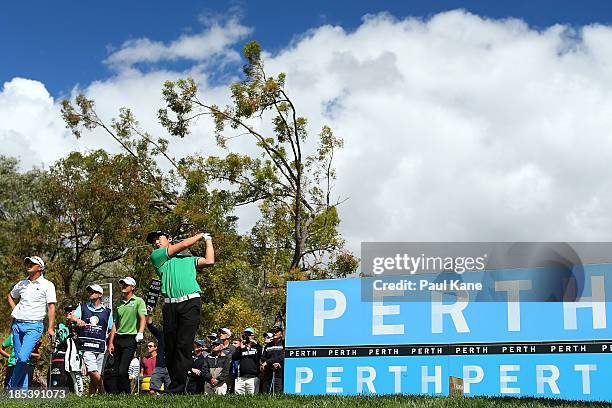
(249, 355)
(95, 322)
(228, 349)
(129, 321)
(182, 303)
(36, 295)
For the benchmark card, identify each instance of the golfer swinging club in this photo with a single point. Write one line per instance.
(181, 312)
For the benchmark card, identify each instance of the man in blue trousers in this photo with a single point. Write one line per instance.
(35, 295)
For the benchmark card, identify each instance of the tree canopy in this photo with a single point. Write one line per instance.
(89, 213)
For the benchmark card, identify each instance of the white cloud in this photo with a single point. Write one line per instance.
(455, 128)
(214, 41)
(30, 127)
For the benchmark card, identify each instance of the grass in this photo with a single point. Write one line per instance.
(191, 401)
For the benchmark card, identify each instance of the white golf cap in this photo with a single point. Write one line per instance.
(225, 330)
(128, 280)
(35, 260)
(96, 288)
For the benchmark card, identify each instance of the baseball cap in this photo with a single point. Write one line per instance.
(212, 336)
(276, 328)
(96, 288)
(200, 342)
(217, 342)
(128, 280)
(151, 236)
(35, 260)
(225, 330)
(268, 335)
(249, 330)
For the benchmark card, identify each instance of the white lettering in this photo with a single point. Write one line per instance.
(436, 379)
(586, 376)
(303, 375)
(330, 380)
(367, 380)
(469, 379)
(380, 310)
(397, 374)
(505, 379)
(321, 314)
(597, 302)
(454, 310)
(514, 306)
(550, 380)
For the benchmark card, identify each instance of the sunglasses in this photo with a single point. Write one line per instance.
(150, 345)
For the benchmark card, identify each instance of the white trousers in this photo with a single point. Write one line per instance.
(219, 390)
(248, 386)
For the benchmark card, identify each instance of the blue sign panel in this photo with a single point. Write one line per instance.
(339, 342)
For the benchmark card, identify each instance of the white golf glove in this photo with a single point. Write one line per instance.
(206, 236)
(139, 337)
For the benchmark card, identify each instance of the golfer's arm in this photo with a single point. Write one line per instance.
(4, 353)
(209, 255)
(143, 323)
(11, 301)
(51, 307)
(184, 244)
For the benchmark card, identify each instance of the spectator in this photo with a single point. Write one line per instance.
(36, 295)
(249, 355)
(231, 385)
(273, 361)
(228, 349)
(133, 375)
(224, 335)
(95, 322)
(210, 338)
(147, 365)
(216, 369)
(128, 327)
(194, 383)
(265, 376)
(160, 374)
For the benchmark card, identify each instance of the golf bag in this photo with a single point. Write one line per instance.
(66, 361)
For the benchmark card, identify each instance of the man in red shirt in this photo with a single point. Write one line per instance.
(148, 362)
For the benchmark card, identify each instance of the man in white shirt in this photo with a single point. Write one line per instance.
(35, 295)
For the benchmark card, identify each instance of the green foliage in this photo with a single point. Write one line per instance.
(88, 214)
(96, 205)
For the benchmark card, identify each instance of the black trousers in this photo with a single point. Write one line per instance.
(125, 346)
(181, 322)
(272, 381)
(278, 383)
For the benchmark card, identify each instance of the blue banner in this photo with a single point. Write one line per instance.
(339, 343)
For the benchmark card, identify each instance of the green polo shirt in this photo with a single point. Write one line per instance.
(126, 315)
(177, 273)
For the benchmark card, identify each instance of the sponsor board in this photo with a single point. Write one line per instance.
(339, 343)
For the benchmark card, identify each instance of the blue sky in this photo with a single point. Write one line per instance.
(462, 121)
(63, 43)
